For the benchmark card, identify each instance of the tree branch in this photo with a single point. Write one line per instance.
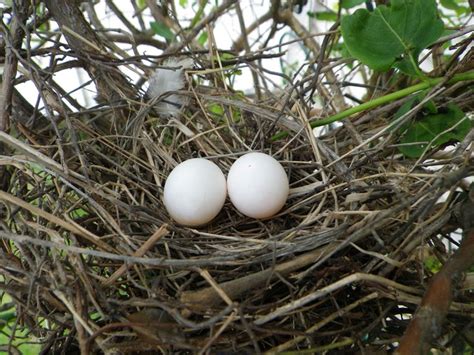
(428, 321)
(13, 40)
(111, 84)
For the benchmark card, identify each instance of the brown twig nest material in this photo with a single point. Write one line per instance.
(93, 262)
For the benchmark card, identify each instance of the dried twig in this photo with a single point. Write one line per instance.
(348, 256)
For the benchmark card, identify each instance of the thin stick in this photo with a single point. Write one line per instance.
(320, 324)
(208, 297)
(74, 228)
(356, 277)
(218, 333)
(160, 233)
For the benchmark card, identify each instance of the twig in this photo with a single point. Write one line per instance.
(178, 263)
(208, 297)
(356, 277)
(320, 324)
(160, 233)
(13, 40)
(219, 331)
(74, 228)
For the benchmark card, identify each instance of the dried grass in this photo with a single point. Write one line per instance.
(93, 261)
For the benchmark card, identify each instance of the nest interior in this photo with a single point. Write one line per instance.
(93, 262)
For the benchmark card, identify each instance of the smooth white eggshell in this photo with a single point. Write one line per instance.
(195, 192)
(257, 185)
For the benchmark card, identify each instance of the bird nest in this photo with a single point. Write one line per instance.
(92, 260)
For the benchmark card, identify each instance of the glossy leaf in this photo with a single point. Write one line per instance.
(390, 34)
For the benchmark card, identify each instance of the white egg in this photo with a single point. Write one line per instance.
(257, 185)
(195, 192)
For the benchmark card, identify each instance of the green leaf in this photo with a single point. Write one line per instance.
(162, 30)
(233, 72)
(216, 109)
(347, 4)
(78, 213)
(433, 264)
(435, 128)
(5, 317)
(428, 108)
(202, 39)
(183, 3)
(455, 6)
(323, 15)
(389, 34)
(449, 4)
(407, 106)
(406, 65)
(226, 56)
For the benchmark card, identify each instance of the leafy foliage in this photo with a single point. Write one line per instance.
(455, 6)
(394, 34)
(162, 30)
(436, 128)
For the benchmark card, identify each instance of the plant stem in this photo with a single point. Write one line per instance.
(391, 97)
(383, 100)
(199, 13)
